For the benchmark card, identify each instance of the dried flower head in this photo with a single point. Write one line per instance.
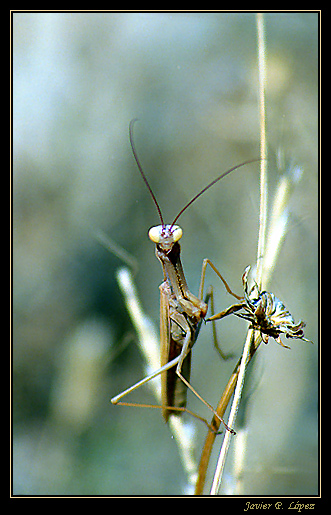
(266, 313)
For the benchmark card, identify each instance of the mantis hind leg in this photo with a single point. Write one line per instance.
(185, 350)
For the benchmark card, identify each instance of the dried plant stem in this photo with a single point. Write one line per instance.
(220, 410)
(147, 335)
(276, 234)
(260, 252)
(209, 442)
(233, 413)
(262, 67)
(268, 251)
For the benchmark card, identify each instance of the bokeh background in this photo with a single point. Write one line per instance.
(191, 79)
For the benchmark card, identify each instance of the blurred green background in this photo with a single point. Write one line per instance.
(191, 79)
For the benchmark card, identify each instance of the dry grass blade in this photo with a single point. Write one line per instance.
(260, 253)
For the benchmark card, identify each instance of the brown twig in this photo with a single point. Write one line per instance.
(220, 410)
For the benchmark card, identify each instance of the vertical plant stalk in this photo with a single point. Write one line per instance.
(233, 413)
(221, 408)
(260, 252)
(267, 255)
(262, 67)
(276, 233)
(148, 341)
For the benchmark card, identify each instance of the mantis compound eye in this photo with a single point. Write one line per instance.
(161, 233)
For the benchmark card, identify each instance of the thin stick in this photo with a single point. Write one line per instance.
(261, 245)
(262, 66)
(233, 414)
(210, 438)
(276, 234)
(221, 408)
(147, 335)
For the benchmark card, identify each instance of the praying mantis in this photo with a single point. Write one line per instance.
(181, 312)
